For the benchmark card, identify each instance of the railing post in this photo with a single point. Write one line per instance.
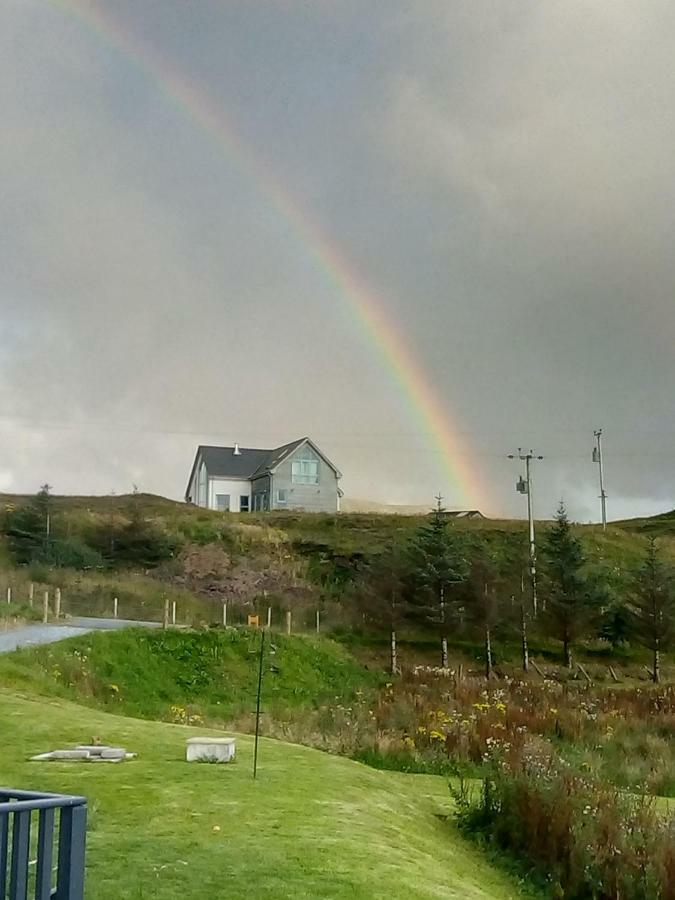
(4, 850)
(72, 841)
(18, 876)
(43, 873)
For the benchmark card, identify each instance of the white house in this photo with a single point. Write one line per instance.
(243, 479)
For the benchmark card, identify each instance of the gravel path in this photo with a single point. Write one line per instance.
(30, 635)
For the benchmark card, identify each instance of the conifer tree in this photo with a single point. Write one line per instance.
(383, 597)
(481, 595)
(571, 598)
(653, 606)
(437, 566)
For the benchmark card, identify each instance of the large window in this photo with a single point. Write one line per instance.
(223, 502)
(305, 467)
(243, 503)
(282, 497)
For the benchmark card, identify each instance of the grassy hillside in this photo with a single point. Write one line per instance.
(191, 675)
(311, 826)
(305, 548)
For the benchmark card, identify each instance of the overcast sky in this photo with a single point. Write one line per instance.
(501, 174)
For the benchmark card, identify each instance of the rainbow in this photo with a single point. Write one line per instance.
(194, 103)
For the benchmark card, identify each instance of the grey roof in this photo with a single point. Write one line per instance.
(274, 457)
(223, 462)
(249, 463)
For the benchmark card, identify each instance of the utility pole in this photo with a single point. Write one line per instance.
(261, 660)
(524, 486)
(597, 458)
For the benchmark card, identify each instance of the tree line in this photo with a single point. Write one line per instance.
(457, 584)
(36, 535)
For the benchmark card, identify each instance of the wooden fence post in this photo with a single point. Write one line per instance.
(173, 612)
(45, 607)
(57, 604)
(318, 621)
(288, 621)
(269, 616)
(224, 613)
(9, 595)
(31, 594)
(165, 618)
(115, 607)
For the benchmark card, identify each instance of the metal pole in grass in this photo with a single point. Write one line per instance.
(257, 708)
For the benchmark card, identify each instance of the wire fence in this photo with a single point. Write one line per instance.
(31, 602)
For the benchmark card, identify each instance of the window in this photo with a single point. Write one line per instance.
(282, 497)
(243, 504)
(223, 502)
(305, 467)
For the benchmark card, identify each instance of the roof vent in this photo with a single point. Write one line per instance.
(237, 451)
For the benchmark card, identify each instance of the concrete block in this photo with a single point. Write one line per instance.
(210, 749)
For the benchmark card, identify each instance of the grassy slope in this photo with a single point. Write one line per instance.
(214, 673)
(312, 826)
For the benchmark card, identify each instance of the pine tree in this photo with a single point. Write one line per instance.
(28, 528)
(437, 566)
(653, 606)
(571, 599)
(383, 597)
(516, 585)
(481, 595)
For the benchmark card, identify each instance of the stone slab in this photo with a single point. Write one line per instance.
(208, 749)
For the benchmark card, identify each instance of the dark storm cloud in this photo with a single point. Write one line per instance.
(501, 174)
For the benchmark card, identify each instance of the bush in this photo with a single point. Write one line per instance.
(67, 553)
(590, 841)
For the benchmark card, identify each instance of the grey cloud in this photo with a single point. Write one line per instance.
(500, 173)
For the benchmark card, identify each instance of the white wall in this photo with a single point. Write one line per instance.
(236, 488)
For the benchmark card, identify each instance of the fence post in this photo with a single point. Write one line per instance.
(115, 604)
(269, 616)
(165, 619)
(173, 612)
(31, 594)
(9, 595)
(318, 621)
(224, 613)
(57, 604)
(288, 621)
(45, 607)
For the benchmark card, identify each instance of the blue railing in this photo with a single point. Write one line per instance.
(50, 828)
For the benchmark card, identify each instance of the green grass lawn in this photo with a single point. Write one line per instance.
(311, 826)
